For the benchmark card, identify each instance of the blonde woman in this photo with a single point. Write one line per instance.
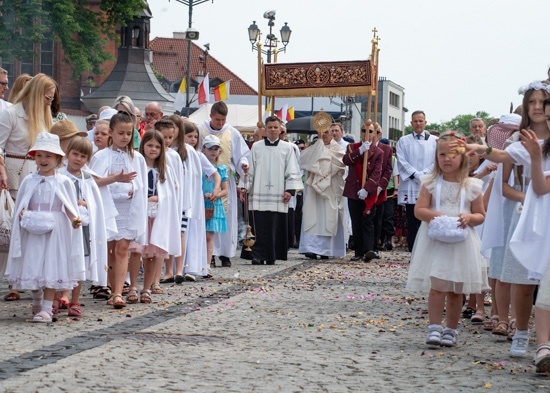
(20, 125)
(18, 85)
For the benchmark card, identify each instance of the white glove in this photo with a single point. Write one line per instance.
(364, 147)
(362, 194)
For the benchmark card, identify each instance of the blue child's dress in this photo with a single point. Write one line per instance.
(217, 223)
(448, 267)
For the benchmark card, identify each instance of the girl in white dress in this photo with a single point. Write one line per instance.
(448, 270)
(54, 260)
(163, 213)
(130, 199)
(513, 271)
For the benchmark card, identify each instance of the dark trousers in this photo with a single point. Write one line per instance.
(271, 236)
(388, 229)
(298, 217)
(413, 224)
(362, 226)
(290, 223)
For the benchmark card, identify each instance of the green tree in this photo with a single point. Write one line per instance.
(83, 33)
(460, 123)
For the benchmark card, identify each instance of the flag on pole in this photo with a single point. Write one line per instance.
(221, 92)
(282, 113)
(290, 114)
(267, 112)
(204, 91)
(179, 103)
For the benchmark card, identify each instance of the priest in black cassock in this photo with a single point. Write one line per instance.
(274, 176)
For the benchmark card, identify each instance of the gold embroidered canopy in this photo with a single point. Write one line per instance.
(339, 78)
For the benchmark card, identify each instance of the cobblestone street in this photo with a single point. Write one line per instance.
(301, 325)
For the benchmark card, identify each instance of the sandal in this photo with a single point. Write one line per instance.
(477, 318)
(132, 297)
(501, 329)
(118, 302)
(125, 288)
(511, 329)
(156, 289)
(43, 317)
(103, 293)
(542, 359)
(490, 323)
(468, 312)
(145, 296)
(12, 296)
(75, 310)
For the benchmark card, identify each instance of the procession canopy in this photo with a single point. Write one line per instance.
(339, 78)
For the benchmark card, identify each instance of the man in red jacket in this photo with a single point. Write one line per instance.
(361, 197)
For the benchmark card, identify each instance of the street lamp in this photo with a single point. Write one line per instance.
(271, 48)
(190, 4)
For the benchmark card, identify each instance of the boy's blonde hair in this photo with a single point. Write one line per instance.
(81, 145)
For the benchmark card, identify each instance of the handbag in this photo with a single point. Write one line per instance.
(444, 228)
(208, 211)
(38, 222)
(6, 218)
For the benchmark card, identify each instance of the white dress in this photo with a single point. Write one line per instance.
(448, 267)
(53, 260)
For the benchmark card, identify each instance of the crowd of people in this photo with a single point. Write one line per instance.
(162, 195)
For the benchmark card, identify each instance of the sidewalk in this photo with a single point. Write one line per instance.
(301, 325)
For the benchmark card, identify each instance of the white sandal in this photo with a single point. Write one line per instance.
(42, 317)
(542, 361)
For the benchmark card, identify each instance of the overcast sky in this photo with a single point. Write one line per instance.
(452, 57)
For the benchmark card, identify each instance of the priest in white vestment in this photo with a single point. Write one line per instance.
(323, 211)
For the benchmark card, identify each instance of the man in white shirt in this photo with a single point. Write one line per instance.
(337, 134)
(4, 87)
(415, 157)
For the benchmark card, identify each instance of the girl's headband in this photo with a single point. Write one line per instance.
(535, 85)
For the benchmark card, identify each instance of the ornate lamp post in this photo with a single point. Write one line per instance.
(272, 48)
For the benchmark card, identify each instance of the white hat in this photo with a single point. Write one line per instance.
(510, 118)
(46, 142)
(106, 114)
(210, 141)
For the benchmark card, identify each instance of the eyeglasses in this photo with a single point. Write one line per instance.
(49, 98)
(4, 84)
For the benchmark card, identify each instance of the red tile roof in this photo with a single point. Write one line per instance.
(170, 59)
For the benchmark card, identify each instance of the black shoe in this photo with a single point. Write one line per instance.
(270, 262)
(324, 257)
(257, 261)
(370, 255)
(356, 258)
(179, 279)
(168, 280)
(310, 255)
(388, 246)
(226, 262)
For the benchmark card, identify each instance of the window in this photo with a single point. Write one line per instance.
(46, 57)
(394, 100)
